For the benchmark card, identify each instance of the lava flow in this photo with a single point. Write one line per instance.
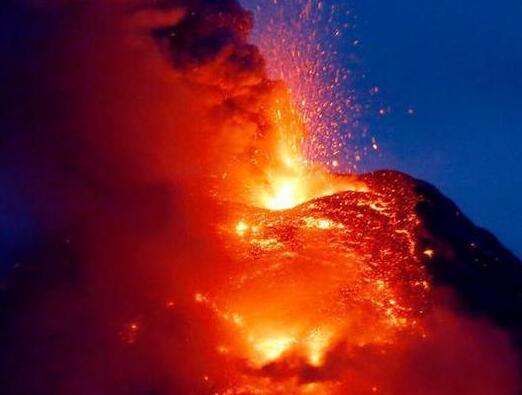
(324, 265)
(327, 266)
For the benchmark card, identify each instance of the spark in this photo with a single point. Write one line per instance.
(130, 332)
(200, 298)
(429, 253)
(241, 228)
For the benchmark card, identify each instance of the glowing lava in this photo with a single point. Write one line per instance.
(287, 192)
(288, 178)
(316, 283)
(323, 266)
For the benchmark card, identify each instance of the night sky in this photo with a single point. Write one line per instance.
(458, 65)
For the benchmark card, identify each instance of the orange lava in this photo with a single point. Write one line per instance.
(288, 178)
(323, 265)
(329, 276)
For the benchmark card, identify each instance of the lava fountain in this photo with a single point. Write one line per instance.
(324, 265)
(288, 179)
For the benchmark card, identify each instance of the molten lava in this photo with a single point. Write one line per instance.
(326, 278)
(288, 178)
(324, 265)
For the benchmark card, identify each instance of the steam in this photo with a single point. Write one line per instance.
(121, 123)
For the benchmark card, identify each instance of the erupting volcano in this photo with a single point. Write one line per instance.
(201, 248)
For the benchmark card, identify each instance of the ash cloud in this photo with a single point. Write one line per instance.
(116, 118)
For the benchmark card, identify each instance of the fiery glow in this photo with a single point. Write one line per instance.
(318, 280)
(305, 45)
(241, 228)
(317, 344)
(429, 253)
(272, 348)
(244, 265)
(323, 264)
(288, 178)
(312, 120)
(287, 192)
